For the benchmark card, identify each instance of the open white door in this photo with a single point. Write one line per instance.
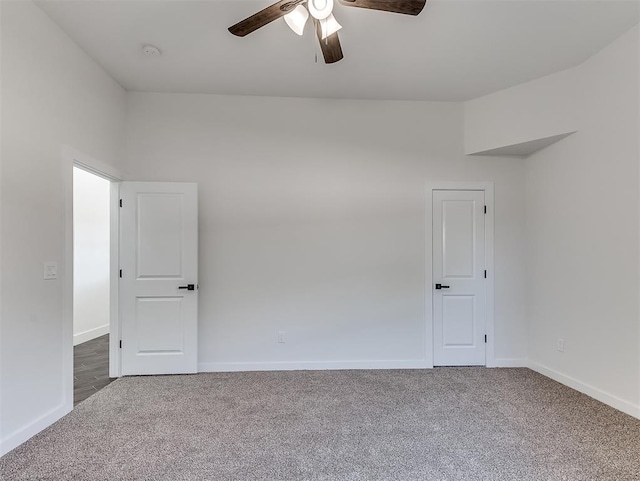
(159, 278)
(459, 294)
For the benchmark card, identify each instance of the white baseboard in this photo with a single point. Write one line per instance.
(510, 363)
(90, 334)
(310, 365)
(602, 396)
(18, 437)
(334, 365)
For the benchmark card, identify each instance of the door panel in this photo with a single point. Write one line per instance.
(159, 249)
(458, 227)
(458, 267)
(160, 324)
(458, 320)
(159, 235)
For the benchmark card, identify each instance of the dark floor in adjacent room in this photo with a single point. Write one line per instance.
(457, 424)
(90, 368)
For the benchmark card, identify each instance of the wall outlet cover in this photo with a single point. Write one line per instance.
(50, 270)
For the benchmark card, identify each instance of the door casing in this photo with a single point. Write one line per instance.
(488, 188)
(70, 158)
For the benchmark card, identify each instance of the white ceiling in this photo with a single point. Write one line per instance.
(455, 49)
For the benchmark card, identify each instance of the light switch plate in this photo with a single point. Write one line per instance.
(50, 271)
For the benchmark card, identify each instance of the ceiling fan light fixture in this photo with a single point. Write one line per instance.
(297, 19)
(329, 26)
(320, 9)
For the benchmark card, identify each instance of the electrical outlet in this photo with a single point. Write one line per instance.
(50, 271)
(560, 344)
(281, 337)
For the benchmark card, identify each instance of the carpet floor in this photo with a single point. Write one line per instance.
(441, 424)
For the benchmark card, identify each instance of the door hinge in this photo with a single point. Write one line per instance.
(120, 344)
(485, 273)
(485, 207)
(485, 338)
(121, 274)
(121, 205)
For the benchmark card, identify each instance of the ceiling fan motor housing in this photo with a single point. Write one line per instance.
(320, 9)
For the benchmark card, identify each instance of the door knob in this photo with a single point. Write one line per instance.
(189, 287)
(440, 286)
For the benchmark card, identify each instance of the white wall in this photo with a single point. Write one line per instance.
(91, 232)
(535, 110)
(583, 251)
(638, 138)
(312, 221)
(582, 218)
(52, 94)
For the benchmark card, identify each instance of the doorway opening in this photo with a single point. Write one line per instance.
(91, 283)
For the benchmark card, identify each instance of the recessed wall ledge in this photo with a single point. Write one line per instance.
(523, 149)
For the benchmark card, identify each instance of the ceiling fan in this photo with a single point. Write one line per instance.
(296, 14)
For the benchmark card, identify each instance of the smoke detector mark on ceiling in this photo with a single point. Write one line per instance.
(151, 51)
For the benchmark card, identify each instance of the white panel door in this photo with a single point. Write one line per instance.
(159, 284)
(459, 298)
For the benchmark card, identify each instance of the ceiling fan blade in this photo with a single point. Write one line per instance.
(331, 49)
(263, 17)
(407, 7)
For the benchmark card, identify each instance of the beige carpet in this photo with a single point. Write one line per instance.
(441, 424)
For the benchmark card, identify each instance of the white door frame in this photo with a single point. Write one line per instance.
(488, 189)
(73, 158)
